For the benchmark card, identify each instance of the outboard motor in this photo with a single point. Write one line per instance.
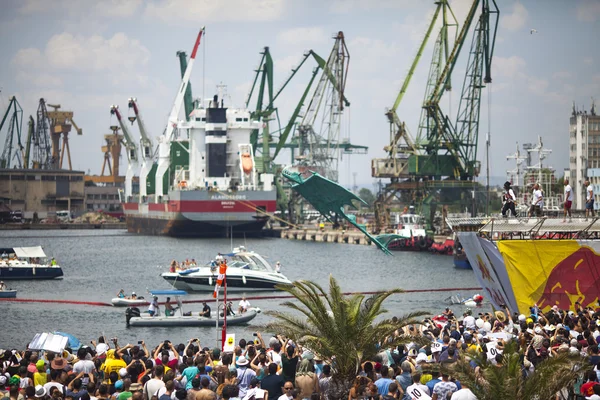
(130, 313)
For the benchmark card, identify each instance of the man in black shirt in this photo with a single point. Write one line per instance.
(272, 383)
(205, 310)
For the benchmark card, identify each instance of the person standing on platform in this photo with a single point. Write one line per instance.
(589, 199)
(537, 201)
(568, 201)
(509, 200)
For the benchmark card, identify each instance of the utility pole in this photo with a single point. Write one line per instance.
(487, 173)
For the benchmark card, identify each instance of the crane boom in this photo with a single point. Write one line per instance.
(132, 153)
(174, 116)
(145, 141)
(146, 147)
(164, 140)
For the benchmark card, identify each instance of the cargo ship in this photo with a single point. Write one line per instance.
(205, 182)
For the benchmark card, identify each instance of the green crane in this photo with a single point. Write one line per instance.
(452, 146)
(443, 158)
(13, 151)
(398, 131)
(188, 102)
(266, 110)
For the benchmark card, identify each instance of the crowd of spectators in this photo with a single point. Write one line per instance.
(282, 370)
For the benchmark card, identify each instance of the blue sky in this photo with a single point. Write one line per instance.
(87, 55)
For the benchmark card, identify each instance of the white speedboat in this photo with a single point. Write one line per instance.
(128, 302)
(246, 270)
(24, 263)
(134, 317)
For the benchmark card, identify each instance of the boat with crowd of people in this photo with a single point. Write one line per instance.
(246, 270)
(24, 263)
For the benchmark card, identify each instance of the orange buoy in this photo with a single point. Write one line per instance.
(246, 163)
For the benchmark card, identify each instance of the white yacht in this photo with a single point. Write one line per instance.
(246, 270)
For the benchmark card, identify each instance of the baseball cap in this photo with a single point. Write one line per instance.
(119, 384)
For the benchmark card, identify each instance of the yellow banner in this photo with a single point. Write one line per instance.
(551, 272)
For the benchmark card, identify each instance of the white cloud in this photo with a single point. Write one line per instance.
(177, 11)
(104, 8)
(563, 75)
(588, 11)
(348, 6)
(117, 8)
(510, 67)
(67, 52)
(25, 58)
(516, 20)
(39, 79)
(302, 36)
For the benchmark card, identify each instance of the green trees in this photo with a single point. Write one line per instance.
(342, 329)
(507, 381)
(367, 196)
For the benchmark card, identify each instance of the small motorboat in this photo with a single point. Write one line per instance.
(8, 294)
(444, 248)
(246, 270)
(409, 234)
(134, 317)
(128, 302)
(27, 263)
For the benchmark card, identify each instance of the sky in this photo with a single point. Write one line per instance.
(87, 55)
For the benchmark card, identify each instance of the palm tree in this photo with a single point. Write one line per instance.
(340, 328)
(508, 381)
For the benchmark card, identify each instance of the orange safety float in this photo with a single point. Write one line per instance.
(246, 163)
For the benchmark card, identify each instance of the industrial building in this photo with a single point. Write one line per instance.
(42, 191)
(584, 154)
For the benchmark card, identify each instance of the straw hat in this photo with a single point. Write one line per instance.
(500, 316)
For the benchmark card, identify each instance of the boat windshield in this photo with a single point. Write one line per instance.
(249, 261)
(411, 219)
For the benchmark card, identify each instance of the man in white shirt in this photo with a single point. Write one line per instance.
(417, 387)
(568, 200)
(589, 199)
(537, 201)
(243, 305)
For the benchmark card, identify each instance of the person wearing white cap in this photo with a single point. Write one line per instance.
(244, 375)
(278, 267)
(3, 285)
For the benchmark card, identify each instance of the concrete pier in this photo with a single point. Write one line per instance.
(326, 236)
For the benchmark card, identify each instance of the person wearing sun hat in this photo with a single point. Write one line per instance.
(58, 363)
(40, 392)
(244, 374)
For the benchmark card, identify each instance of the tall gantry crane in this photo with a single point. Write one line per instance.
(146, 146)
(61, 122)
(444, 155)
(13, 152)
(132, 152)
(41, 141)
(319, 131)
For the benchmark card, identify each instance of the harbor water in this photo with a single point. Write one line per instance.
(98, 263)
